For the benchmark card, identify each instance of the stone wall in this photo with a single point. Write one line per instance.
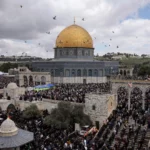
(99, 107)
(42, 105)
(5, 103)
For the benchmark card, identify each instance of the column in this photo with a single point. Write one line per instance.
(143, 101)
(129, 98)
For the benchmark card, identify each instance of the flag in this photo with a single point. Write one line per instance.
(130, 85)
(93, 129)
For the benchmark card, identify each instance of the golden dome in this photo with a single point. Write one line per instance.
(74, 36)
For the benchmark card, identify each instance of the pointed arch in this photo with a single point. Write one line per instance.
(25, 80)
(43, 80)
(31, 81)
(122, 94)
(136, 95)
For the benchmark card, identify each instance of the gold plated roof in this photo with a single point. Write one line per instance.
(74, 36)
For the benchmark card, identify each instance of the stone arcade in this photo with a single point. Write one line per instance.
(25, 77)
(141, 87)
(74, 59)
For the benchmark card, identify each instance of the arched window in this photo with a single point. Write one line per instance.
(107, 71)
(96, 72)
(136, 95)
(147, 98)
(73, 73)
(25, 79)
(37, 80)
(61, 72)
(60, 52)
(57, 74)
(124, 72)
(90, 72)
(43, 80)
(84, 72)
(122, 94)
(88, 52)
(82, 52)
(52, 72)
(67, 52)
(101, 72)
(79, 72)
(121, 72)
(30, 81)
(67, 73)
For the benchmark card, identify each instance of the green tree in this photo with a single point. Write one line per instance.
(144, 70)
(31, 112)
(6, 66)
(67, 114)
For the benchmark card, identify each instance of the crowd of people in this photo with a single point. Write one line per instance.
(5, 80)
(48, 137)
(68, 92)
(123, 130)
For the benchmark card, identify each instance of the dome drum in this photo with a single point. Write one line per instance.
(74, 53)
(9, 133)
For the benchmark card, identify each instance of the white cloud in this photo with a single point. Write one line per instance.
(31, 23)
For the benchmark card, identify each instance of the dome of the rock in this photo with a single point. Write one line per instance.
(74, 36)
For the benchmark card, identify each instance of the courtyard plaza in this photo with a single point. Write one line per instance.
(123, 130)
(68, 92)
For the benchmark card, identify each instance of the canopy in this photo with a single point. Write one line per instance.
(43, 87)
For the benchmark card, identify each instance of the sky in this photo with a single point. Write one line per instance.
(23, 29)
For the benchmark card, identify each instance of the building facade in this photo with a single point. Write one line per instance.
(25, 77)
(74, 59)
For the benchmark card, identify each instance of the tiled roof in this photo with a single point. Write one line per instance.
(21, 138)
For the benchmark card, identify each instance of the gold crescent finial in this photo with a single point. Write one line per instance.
(74, 20)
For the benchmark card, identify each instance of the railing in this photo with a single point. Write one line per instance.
(57, 101)
(129, 81)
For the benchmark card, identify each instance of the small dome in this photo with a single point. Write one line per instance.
(8, 128)
(12, 85)
(74, 36)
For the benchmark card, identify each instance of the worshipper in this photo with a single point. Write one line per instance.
(68, 92)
